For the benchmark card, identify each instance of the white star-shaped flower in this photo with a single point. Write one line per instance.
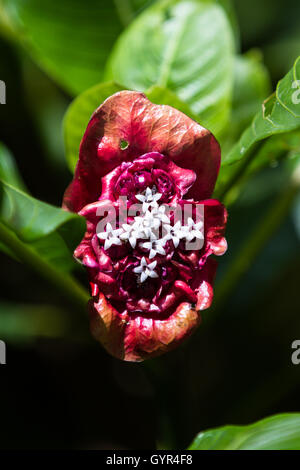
(146, 270)
(111, 236)
(193, 230)
(151, 220)
(132, 232)
(154, 247)
(159, 213)
(149, 199)
(148, 224)
(174, 233)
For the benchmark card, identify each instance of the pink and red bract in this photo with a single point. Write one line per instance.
(130, 145)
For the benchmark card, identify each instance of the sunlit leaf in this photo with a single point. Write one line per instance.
(185, 46)
(281, 432)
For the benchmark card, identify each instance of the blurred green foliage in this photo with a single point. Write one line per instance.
(25, 323)
(70, 39)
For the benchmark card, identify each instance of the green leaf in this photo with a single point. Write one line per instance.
(280, 432)
(9, 173)
(52, 232)
(279, 113)
(69, 39)
(78, 115)
(185, 46)
(31, 219)
(8, 169)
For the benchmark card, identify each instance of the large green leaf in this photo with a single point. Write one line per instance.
(70, 39)
(81, 109)
(185, 46)
(52, 232)
(281, 432)
(31, 219)
(279, 114)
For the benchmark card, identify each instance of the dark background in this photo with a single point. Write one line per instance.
(60, 389)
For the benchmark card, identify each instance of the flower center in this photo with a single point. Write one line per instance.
(150, 232)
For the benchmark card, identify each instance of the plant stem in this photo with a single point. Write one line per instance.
(66, 284)
(255, 243)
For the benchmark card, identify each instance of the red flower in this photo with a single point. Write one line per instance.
(143, 179)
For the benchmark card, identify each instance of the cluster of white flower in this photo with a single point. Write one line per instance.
(148, 226)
